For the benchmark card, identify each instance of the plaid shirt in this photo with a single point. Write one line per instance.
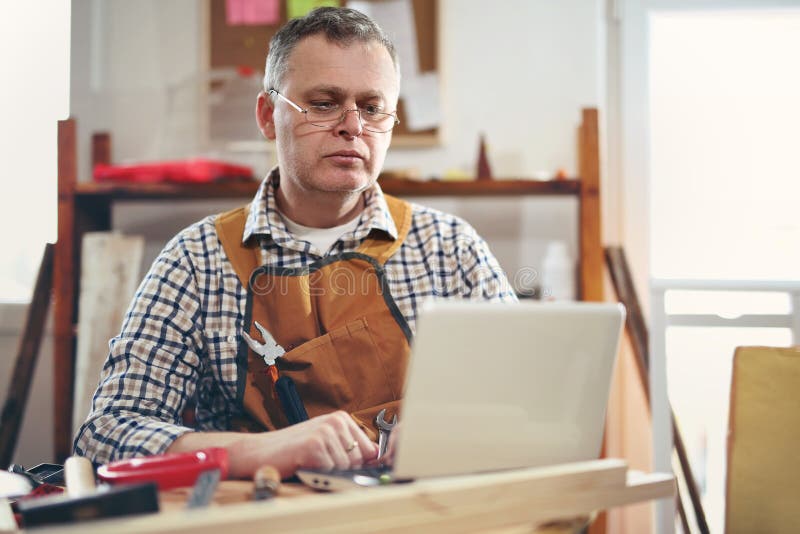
(180, 336)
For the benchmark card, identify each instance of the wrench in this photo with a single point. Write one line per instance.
(384, 429)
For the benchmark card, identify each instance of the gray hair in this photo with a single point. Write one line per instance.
(339, 25)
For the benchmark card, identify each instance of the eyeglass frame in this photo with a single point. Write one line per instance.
(363, 123)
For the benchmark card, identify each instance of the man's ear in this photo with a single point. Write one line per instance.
(264, 112)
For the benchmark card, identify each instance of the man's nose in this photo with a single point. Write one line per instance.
(350, 125)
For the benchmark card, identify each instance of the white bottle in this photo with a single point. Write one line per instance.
(558, 273)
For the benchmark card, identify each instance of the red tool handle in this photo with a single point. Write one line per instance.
(166, 470)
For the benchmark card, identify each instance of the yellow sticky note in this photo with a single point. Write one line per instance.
(300, 8)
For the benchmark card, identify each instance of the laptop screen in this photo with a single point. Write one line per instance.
(498, 386)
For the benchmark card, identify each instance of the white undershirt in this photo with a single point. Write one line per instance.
(321, 238)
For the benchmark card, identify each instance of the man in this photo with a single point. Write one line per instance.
(302, 303)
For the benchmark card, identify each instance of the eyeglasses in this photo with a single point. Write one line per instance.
(329, 114)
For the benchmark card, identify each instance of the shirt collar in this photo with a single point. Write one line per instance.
(264, 219)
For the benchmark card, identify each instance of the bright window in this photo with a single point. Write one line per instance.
(724, 116)
(724, 139)
(34, 95)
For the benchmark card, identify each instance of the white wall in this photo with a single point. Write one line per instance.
(126, 57)
(520, 71)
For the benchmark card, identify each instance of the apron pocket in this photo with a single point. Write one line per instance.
(339, 370)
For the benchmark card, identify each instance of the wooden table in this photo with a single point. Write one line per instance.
(510, 501)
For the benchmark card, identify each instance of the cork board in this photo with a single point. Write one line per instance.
(247, 46)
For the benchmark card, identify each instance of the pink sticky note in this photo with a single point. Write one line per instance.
(252, 12)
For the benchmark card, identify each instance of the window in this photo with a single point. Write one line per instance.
(724, 136)
(724, 183)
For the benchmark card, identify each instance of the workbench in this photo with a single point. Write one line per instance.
(557, 498)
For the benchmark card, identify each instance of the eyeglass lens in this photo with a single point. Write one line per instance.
(372, 121)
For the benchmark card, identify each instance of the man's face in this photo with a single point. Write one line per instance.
(346, 159)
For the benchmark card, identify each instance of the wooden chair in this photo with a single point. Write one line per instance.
(763, 484)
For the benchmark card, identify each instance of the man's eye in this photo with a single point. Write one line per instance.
(371, 109)
(324, 106)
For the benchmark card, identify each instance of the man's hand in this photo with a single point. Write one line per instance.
(327, 442)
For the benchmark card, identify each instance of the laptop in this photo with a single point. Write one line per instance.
(498, 386)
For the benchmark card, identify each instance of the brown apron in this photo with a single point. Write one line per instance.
(346, 342)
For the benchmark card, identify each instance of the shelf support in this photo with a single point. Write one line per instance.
(591, 247)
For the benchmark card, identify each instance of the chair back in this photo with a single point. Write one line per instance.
(763, 481)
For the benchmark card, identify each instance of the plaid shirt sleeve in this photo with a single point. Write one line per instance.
(153, 365)
(474, 268)
(482, 276)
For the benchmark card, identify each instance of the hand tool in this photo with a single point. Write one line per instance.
(384, 429)
(204, 489)
(113, 502)
(266, 482)
(293, 407)
(44, 473)
(166, 470)
(84, 501)
(79, 476)
(270, 351)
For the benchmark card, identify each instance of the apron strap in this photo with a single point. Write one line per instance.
(380, 247)
(230, 228)
(245, 258)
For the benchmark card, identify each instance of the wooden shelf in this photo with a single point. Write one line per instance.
(400, 187)
(393, 186)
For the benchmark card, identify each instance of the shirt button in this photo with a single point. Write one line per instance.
(231, 339)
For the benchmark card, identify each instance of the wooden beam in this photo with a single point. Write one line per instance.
(636, 328)
(110, 273)
(25, 365)
(591, 246)
(101, 148)
(64, 284)
(516, 500)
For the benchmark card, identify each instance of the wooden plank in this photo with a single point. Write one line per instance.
(110, 273)
(393, 186)
(76, 215)
(452, 504)
(589, 235)
(25, 364)
(64, 281)
(591, 246)
(101, 148)
(636, 329)
(762, 464)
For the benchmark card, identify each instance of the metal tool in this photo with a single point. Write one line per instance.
(269, 350)
(266, 483)
(204, 489)
(127, 499)
(170, 470)
(384, 429)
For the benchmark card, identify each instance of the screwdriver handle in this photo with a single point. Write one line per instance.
(79, 476)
